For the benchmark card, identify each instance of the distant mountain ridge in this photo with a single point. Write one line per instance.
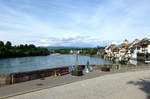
(63, 47)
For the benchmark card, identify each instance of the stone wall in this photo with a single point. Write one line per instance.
(114, 67)
(5, 79)
(12, 78)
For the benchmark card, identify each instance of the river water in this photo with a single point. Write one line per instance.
(10, 65)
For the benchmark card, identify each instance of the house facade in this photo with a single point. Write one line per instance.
(117, 53)
(140, 51)
(136, 52)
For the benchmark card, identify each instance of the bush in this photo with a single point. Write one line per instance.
(77, 71)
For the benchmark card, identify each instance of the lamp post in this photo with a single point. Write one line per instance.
(77, 58)
(87, 67)
(77, 71)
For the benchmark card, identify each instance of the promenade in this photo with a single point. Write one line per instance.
(48, 82)
(25, 89)
(128, 85)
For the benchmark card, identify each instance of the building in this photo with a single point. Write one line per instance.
(111, 51)
(140, 52)
(136, 52)
(118, 53)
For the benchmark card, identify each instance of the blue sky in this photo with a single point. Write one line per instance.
(73, 22)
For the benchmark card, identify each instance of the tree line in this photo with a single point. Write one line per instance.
(7, 50)
(84, 51)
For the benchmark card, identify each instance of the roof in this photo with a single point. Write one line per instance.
(113, 47)
(144, 42)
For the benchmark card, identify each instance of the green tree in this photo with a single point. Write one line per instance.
(31, 46)
(7, 50)
(8, 44)
(1, 43)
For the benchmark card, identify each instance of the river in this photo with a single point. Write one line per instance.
(10, 65)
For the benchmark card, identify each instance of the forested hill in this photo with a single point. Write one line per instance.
(7, 50)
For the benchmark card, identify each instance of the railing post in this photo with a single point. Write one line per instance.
(12, 79)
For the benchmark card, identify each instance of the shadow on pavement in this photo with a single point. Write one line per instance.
(144, 85)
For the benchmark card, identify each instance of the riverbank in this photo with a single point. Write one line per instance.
(18, 77)
(50, 82)
(9, 51)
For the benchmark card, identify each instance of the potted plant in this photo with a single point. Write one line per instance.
(105, 68)
(77, 71)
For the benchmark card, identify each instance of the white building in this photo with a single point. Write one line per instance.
(140, 52)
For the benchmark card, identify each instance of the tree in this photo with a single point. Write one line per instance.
(1, 43)
(7, 50)
(31, 46)
(8, 44)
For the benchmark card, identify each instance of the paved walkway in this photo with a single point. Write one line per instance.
(128, 85)
(48, 82)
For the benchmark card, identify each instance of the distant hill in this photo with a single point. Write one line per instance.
(63, 47)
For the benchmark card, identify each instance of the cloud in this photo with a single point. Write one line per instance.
(79, 41)
(73, 22)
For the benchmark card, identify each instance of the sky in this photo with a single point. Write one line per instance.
(86, 23)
